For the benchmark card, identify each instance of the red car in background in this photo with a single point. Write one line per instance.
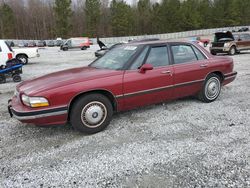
(126, 77)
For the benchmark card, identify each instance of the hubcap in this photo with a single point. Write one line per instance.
(22, 59)
(233, 51)
(93, 114)
(212, 88)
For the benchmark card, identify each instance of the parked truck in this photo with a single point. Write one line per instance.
(24, 54)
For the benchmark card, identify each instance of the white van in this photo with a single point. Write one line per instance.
(6, 52)
(81, 42)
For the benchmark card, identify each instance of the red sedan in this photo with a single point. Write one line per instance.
(127, 77)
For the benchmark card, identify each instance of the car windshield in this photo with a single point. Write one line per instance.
(116, 58)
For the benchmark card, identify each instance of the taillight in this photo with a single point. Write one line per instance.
(10, 56)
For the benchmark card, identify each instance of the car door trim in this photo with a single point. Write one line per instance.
(159, 89)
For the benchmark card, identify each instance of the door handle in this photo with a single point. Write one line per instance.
(204, 65)
(167, 72)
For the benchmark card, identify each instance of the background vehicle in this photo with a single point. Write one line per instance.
(12, 69)
(51, 43)
(58, 42)
(127, 77)
(200, 40)
(6, 52)
(243, 29)
(32, 44)
(23, 54)
(104, 49)
(10, 43)
(41, 43)
(226, 42)
(82, 43)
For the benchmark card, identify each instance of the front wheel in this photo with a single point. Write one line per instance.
(84, 48)
(91, 113)
(232, 50)
(210, 89)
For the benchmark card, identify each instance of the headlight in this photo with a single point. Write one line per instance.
(227, 44)
(34, 101)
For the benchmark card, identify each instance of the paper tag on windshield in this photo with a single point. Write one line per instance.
(130, 47)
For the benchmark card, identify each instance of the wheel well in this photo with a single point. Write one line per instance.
(234, 46)
(103, 92)
(218, 73)
(22, 54)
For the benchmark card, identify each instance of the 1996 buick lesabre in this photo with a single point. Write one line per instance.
(127, 77)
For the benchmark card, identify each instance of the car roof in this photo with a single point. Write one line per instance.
(155, 42)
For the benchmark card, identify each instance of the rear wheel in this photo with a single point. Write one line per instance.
(211, 88)
(91, 113)
(232, 50)
(84, 48)
(16, 78)
(65, 49)
(23, 59)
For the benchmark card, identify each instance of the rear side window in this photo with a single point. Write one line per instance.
(158, 56)
(199, 55)
(183, 54)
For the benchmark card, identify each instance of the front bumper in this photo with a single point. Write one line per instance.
(49, 116)
(220, 49)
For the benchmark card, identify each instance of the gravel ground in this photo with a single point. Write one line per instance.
(184, 143)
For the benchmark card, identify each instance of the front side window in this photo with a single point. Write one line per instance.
(139, 60)
(183, 54)
(116, 58)
(158, 56)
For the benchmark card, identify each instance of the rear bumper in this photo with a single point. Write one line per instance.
(24, 114)
(228, 78)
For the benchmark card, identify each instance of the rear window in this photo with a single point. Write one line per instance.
(8, 46)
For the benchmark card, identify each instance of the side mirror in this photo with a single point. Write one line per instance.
(145, 68)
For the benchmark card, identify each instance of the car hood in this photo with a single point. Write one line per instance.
(63, 78)
(224, 36)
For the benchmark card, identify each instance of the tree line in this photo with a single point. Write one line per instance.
(47, 19)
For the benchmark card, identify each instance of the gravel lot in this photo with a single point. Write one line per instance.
(184, 143)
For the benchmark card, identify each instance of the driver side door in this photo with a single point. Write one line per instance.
(151, 86)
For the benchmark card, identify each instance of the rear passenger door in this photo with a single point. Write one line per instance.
(244, 42)
(190, 68)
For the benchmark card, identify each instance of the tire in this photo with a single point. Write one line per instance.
(91, 113)
(23, 58)
(2, 79)
(232, 50)
(16, 78)
(211, 88)
(213, 53)
(65, 49)
(84, 48)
